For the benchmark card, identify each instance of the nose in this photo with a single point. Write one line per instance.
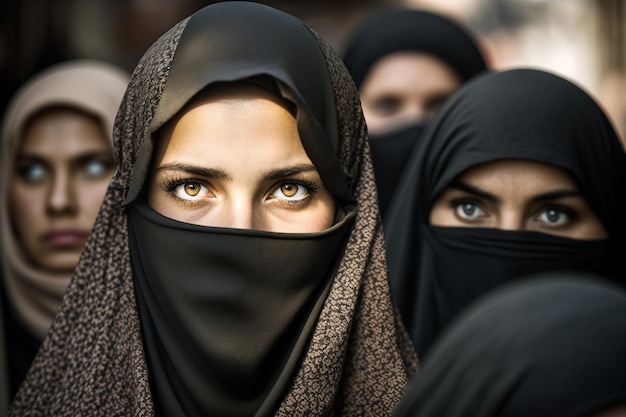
(412, 112)
(511, 220)
(61, 197)
(237, 214)
(415, 111)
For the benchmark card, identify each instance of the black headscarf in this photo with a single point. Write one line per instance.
(276, 47)
(527, 114)
(135, 335)
(399, 30)
(550, 346)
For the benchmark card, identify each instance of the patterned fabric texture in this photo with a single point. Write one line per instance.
(92, 362)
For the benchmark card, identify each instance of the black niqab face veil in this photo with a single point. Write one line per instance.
(551, 346)
(524, 114)
(226, 313)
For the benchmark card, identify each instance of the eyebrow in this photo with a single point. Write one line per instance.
(547, 196)
(195, 170)
(221, 174)
(289, 171)
(81, 157)
(462, 186)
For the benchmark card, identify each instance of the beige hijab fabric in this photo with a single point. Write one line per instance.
(93, 363)
(94, 87)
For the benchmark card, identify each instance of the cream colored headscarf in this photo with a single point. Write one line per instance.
(94, 87)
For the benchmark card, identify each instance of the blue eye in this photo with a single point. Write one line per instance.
(96, 168)
(554, 216)
(468, 210)
(34, 172)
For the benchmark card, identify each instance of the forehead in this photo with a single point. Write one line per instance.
(523, 173)
(410, 70)
(226, 123)
(62, 130)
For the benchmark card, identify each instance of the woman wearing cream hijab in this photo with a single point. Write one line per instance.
(57, 160)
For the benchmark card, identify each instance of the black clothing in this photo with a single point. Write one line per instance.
(550, 346)
(390, 153)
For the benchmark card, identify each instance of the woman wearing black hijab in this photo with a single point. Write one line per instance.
(522, 150)
(405, 63)
(550, 346)
(247, 280)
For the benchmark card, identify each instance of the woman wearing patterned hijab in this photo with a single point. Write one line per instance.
(520, 172)
(200, 293)
(57, 160)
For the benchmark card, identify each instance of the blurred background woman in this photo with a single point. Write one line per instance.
(57, 160)
(406, 63)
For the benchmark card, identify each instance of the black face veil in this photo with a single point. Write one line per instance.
(517, 114)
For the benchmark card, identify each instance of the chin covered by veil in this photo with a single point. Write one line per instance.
(124, 344)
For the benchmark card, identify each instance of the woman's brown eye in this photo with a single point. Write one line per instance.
(289, 190)
(192, 189)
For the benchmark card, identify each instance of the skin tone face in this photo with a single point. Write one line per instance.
(234, 159)
(518, 195)
(403, 88)
(61, 175)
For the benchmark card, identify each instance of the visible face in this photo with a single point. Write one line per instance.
(61, 175)
(234, 159)
(518, 195)
(403, 88)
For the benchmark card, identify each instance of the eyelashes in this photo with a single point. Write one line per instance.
(172, 187)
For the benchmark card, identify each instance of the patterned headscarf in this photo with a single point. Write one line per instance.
(93, 361)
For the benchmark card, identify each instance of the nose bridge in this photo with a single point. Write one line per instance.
(239, 212)
(61, 194)
(511, 218)
(415, 110)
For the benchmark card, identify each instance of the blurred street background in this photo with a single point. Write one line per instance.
(583, 40)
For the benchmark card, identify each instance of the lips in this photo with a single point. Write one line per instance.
(65, 238)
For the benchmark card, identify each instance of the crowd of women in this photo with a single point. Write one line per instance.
(281, 230)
